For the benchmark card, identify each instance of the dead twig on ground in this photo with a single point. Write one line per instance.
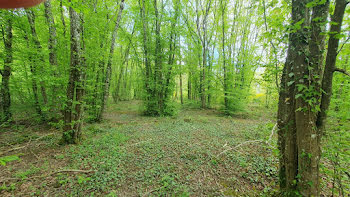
(239, 145)
(28, 143)
(150, 192)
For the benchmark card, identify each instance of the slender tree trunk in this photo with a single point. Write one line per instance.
(6, 72)
(31, 20)
(189, 84)
(202, 85)
(223, 9)
(333, 43)
(181, 94)
(145, 46)
(52, 33)
(62, 19)
(108, 75)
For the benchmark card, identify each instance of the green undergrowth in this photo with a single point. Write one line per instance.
(101, 154)
(174, 156)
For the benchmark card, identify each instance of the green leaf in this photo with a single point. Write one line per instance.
(7, 159)
(298, 95)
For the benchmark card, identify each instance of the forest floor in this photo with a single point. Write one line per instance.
(196, 153)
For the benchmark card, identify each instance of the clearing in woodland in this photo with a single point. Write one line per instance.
(196, 153)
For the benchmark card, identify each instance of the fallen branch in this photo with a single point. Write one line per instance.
(13, 149)
(239, 145)
(150, 192)
(272, 133)
(78, 171)
(29, 142)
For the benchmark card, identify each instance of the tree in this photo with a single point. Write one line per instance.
(6, 72)
(73, 110)
(301, 95)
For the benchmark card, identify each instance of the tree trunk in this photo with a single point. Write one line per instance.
(286, 107)
(307, 79)
(72, 115)
(333, 43)
(52, 33)
(189, 84)
(6, 72)
(299, 120)
(108, 75)
(181, 94)
(223, 9)
(202, 85)
(62, 19)
(158, 77)
(31, 20)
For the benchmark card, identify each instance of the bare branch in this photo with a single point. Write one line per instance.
(342, 46)
(342, 71)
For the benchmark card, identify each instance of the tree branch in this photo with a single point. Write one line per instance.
(342, 71)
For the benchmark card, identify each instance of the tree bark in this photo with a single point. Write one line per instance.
(189, 84)
(6, 72)
(307, 79)
(333, 44)
(286, 108)
(72, 114)
(181, 93)
(223, 10)
(62, 18)
(52, 33)
(301, 114)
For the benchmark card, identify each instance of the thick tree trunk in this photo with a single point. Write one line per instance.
(310, 65)
(299, 121)
(108, 75)
(72, 115)
(287, 139)
(6, 72)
